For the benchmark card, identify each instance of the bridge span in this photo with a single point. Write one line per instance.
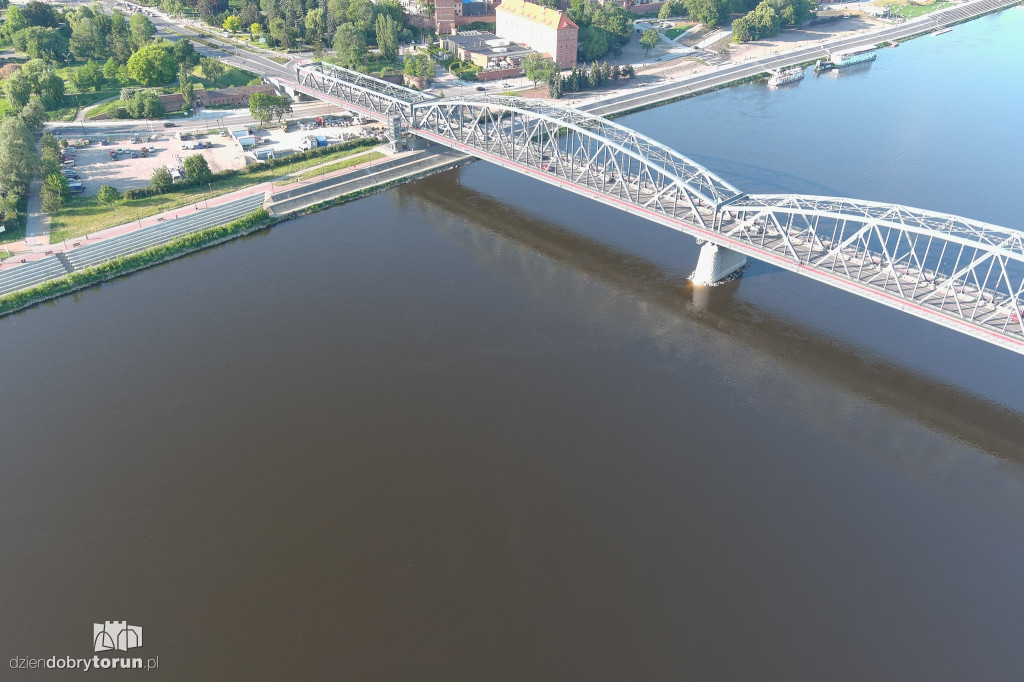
(960, 273)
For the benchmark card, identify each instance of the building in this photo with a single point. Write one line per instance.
(444, 15)
(226, 97)
(487, 51)
(544, 29)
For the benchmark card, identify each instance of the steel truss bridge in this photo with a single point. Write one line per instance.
(963, 274)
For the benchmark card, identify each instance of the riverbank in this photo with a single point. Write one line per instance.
(645, 96)
(310, 199)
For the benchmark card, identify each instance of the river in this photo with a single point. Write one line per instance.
(473, 428)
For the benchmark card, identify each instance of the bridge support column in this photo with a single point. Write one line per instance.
(715, 264)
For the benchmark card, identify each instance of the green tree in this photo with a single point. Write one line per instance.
(259, 107)
(539, 68)
(161, 180)
(34, 115)
(14, 22)
(233, 24)
(255, 29)
(350, 44)
(119, 39)
(316, 26)
(708, 12)
(108, 195)
(282, 33)
(212, 68)
(197, 171)
(187, 89)
(594, 43)
(89, 75)
(185, 54)
(649, 39)
(110, 69)
(54, 192)
(51, 91)
(387, 36)
(18, 89)
(152, 64)
(141, 30)
(39, 42)
(40, 14)
(145, 104)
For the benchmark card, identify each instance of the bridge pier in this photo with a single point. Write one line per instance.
(715, 264)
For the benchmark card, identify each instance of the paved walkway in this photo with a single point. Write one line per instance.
(34, 252)
(37, 227)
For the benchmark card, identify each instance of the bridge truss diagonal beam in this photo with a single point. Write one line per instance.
(962, 273)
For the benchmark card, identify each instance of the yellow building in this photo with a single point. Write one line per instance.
(544, 29)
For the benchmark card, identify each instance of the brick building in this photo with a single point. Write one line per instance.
(544, 29)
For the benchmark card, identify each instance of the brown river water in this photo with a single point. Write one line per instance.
(476, 429)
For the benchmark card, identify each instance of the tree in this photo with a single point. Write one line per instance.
(387, 36)
(420, 65)
(14, 22)
(316, 26)
(89, 75)
(539, 68)
(259, 107)
(34, 115)
(267, 107)
(161, 180)
(141, 30)
(350, 43)
(282, 33)
(649, 39)
(51, 91)
(152, 64)
(197, 171)
(255, 29)
(233, 24)
(110, 69)
(39, 42)
(145, 104)
(40, 14)
(119, 39)
(212, 68)
(185, 54)
(18, 89)
(708, 12)
(187, 89)
(108, 195)
(54, 192)
(594, 43)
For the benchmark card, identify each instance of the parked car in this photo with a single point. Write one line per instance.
(76, 187)
(70, 174)
(135, 154)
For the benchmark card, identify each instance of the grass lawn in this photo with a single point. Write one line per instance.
(84, 215)
(338, 165)
(232, 77)
(679, 30)
(911, 11)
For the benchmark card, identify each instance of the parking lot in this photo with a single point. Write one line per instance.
(96, 167)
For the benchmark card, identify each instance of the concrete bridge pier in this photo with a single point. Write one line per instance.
(715, 264)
